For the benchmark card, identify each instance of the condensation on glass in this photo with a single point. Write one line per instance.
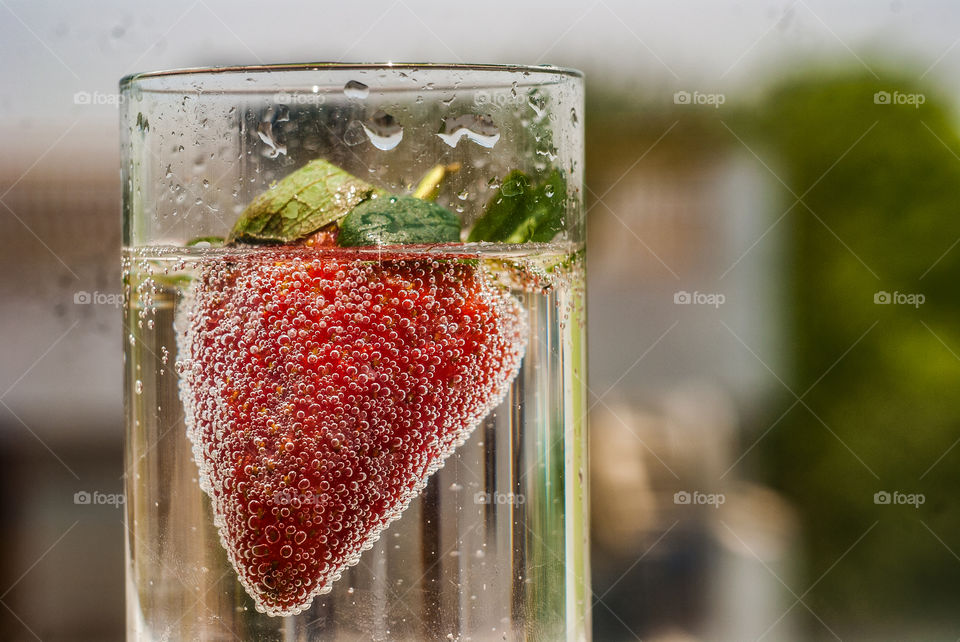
(495, 546)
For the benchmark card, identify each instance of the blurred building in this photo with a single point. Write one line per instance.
(61, 421)
(679, 537)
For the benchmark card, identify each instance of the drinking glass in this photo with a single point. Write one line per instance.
(490, 542)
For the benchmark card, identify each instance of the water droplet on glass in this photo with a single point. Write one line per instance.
(356, 89)
(383, 130)
(573, 116)
(265, 131)
(514, 186)
(479, 129)
(354, 134)
(463, 195)
(138, 386)
(142, 123)
(537, 104)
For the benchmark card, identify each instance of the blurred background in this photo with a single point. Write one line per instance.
(774, 340)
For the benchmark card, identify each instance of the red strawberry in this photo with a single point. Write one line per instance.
(321, 393)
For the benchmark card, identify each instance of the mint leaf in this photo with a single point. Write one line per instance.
(315, 195)
(398, 220)
(522, 211)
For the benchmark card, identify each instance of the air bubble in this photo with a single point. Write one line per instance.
(322, 373)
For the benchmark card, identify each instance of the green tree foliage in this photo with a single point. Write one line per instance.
(880, 210)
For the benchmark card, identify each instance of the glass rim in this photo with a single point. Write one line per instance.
(546, 69)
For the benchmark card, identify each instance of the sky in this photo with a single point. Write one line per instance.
(51, 50)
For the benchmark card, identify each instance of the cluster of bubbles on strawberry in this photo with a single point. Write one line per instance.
(321, 393)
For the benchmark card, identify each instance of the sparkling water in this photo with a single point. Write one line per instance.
(491, 547)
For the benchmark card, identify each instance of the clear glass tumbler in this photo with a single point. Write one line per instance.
(354, 353)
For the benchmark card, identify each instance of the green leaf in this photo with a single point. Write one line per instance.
(522, 211)
(315, 195)
(398, 220)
